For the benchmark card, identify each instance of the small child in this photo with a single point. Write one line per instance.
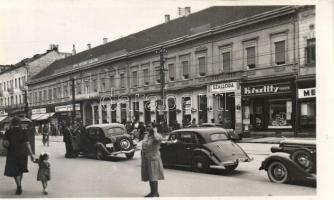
(43, 174)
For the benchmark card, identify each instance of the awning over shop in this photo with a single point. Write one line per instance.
(36, 116)
(2, 118)
(45, 116)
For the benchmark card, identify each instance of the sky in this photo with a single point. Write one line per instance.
(28, 27)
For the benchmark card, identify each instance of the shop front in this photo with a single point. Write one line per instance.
(306, 120)
(268, 106)
(64, 112)
(226, 104)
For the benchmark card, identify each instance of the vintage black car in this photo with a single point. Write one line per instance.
(202, 149)
(292, 160)
(106, 140)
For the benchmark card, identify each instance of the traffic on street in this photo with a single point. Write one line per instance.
(87, 177)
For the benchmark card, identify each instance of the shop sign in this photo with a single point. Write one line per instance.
(265, 89)
(306, 93)
(38, 111)
(224, 87)
(67, 108)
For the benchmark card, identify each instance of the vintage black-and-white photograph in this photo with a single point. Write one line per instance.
(111, 99)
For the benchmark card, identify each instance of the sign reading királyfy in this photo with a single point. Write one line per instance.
(266, 89)
(223, 87)
(306, 93)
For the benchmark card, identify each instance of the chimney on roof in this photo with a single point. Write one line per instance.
(73, 50)
(167, 18)
(53, 47)
(89, 46)
(105, 40)
(187, 11)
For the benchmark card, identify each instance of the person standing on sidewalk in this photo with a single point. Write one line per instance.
(18, 146)
(46, 134)
(67, 138)
(151, 164)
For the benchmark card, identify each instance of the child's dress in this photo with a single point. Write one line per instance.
(43, 171)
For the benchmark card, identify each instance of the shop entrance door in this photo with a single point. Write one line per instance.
(202, 109)
(171, 110)
(259, 115)
(147, 112)
(123, 113)
(226, 110)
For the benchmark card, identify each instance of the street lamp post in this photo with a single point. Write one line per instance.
(73, 100)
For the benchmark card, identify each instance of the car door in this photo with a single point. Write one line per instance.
(168, 150)
(185, 147)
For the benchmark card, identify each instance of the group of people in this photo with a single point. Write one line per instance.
(18, 149)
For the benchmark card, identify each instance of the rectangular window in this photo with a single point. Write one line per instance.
(65, 90)
(59, 91)
(157, 75)
(111, 82)
(280, 52)
(54, 93)
(171, 69)
(134, 79)
(94, 84)
(45, 95)
(78, 87)
(280, 112)
(4, 86)
(146, 77)
(185, 69)
(201, 66)
(103, 84)
(122, 80)
(226, 61)
(40, 97)
(20, 82)
(310, 51)
(15, 83)
(250, 51)
(20, 96)
(50, 94)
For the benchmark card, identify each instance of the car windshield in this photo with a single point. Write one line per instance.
(115, 131)
(218, 137)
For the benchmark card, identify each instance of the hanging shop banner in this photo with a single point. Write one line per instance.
(67, 108)
(306, 93)
(38, 111)
(266, 89)
(223, 87)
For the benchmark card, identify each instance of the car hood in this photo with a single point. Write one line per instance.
(299, 141)
(227, 150)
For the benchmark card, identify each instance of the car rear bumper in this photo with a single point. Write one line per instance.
(222, 165)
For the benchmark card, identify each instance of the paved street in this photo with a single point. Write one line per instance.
(86, 177)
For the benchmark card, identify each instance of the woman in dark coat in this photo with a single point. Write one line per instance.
(151, 164)
(16, 141)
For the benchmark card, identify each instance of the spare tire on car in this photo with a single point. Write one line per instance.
(123, 144)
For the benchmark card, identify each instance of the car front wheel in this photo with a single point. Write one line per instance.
(303, 159)
(231, 168)
(200, 164)
(278, 172)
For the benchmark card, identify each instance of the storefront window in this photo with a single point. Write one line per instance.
(280, 114)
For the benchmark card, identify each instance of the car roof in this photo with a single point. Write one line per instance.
(106, 126)
(201, 130)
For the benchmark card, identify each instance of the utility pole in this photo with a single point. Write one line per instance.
(162, 69)
(26, 105)
(73, 100)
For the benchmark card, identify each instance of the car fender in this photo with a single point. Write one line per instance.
(295, 171)
(102, 147)
(207, 153)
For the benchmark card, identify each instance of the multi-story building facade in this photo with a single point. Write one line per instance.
(231, 65)
(13, 80)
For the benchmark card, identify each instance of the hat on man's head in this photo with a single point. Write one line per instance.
(15, 121)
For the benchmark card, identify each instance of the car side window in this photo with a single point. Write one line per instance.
(197, 139)
(100, 133)
(186, 138)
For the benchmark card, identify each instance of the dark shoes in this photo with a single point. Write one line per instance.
(153, 195)
(18, 191)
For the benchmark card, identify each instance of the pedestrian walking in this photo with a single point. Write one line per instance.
(46, 134)
(17, 143)
(43, 174)
(151, 164)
